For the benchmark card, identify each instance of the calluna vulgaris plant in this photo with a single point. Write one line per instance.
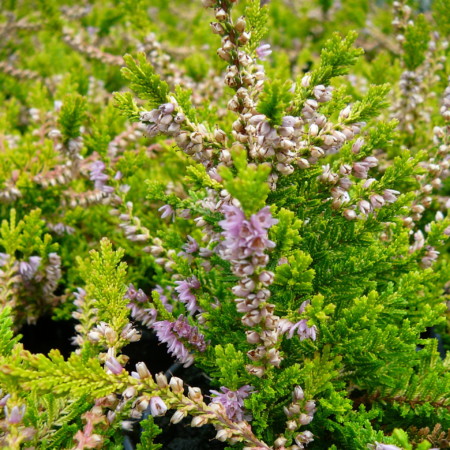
(280, 200)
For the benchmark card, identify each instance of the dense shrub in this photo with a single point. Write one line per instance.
(266, 193)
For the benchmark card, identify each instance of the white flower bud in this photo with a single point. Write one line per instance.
(178, 416)
(221, 14)
(176, 384)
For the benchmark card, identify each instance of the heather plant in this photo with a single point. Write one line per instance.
(272, 206)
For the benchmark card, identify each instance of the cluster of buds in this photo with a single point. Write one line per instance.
(402, 13)
(86, 314)
(244, 246)
(279, 146)
(445, 105)
(52, 275)
(71, 149)
(177, 335)
(234, 37)
(131, 225)
(340, 184)
(9, 194)
(429, 256)
(167, 120)
(92, 52)
(100, 178)
(300, 412)
(436, 167)
(29, 269)
(105, 335)
(75, 12)
(139, 306)
(298, 141)
(20, 282)
(60, 229)
(73, 199)
(12, 24)
(58, 175)
(20, 74)
(172, 395)
(411, 97)
(87, 438)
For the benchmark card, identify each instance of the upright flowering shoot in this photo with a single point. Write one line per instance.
(278, 211)
(245, 245)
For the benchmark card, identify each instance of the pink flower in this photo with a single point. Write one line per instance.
(233, 401)
(263, 51)
(185, 294)
(191, 246)
(28, 269)
(175, 334)
(113, 366)
(245, 238)
(157, 407)
(98, 177)
(300, 328)
(167, 211)
(16, 414)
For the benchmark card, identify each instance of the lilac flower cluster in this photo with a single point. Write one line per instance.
(176, 335)
(52, 274)
(29, 269)
(300, 328)
(185, 295)
(340, 184)
(99, 177)
(166, 120)
(244, 246)
(300, 412)
(246, 240)
(138, 298)
(233, 401)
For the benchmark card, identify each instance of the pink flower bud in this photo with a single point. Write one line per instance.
(157, 407)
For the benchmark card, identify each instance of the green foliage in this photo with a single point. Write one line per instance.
(370, 106)
(127, 106)
(274, 100)
(249, 185)
(149, 433)
(229, 364)
(144, 81)
(72, 116)
(256, 17)
(26, 236)
(440, 10)
(294, 276)
(364, 281)
(417, 36)
(76, 377)
(197, 176)
(105, 277)
(337, 56)
(7, 338)
(184, 100)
